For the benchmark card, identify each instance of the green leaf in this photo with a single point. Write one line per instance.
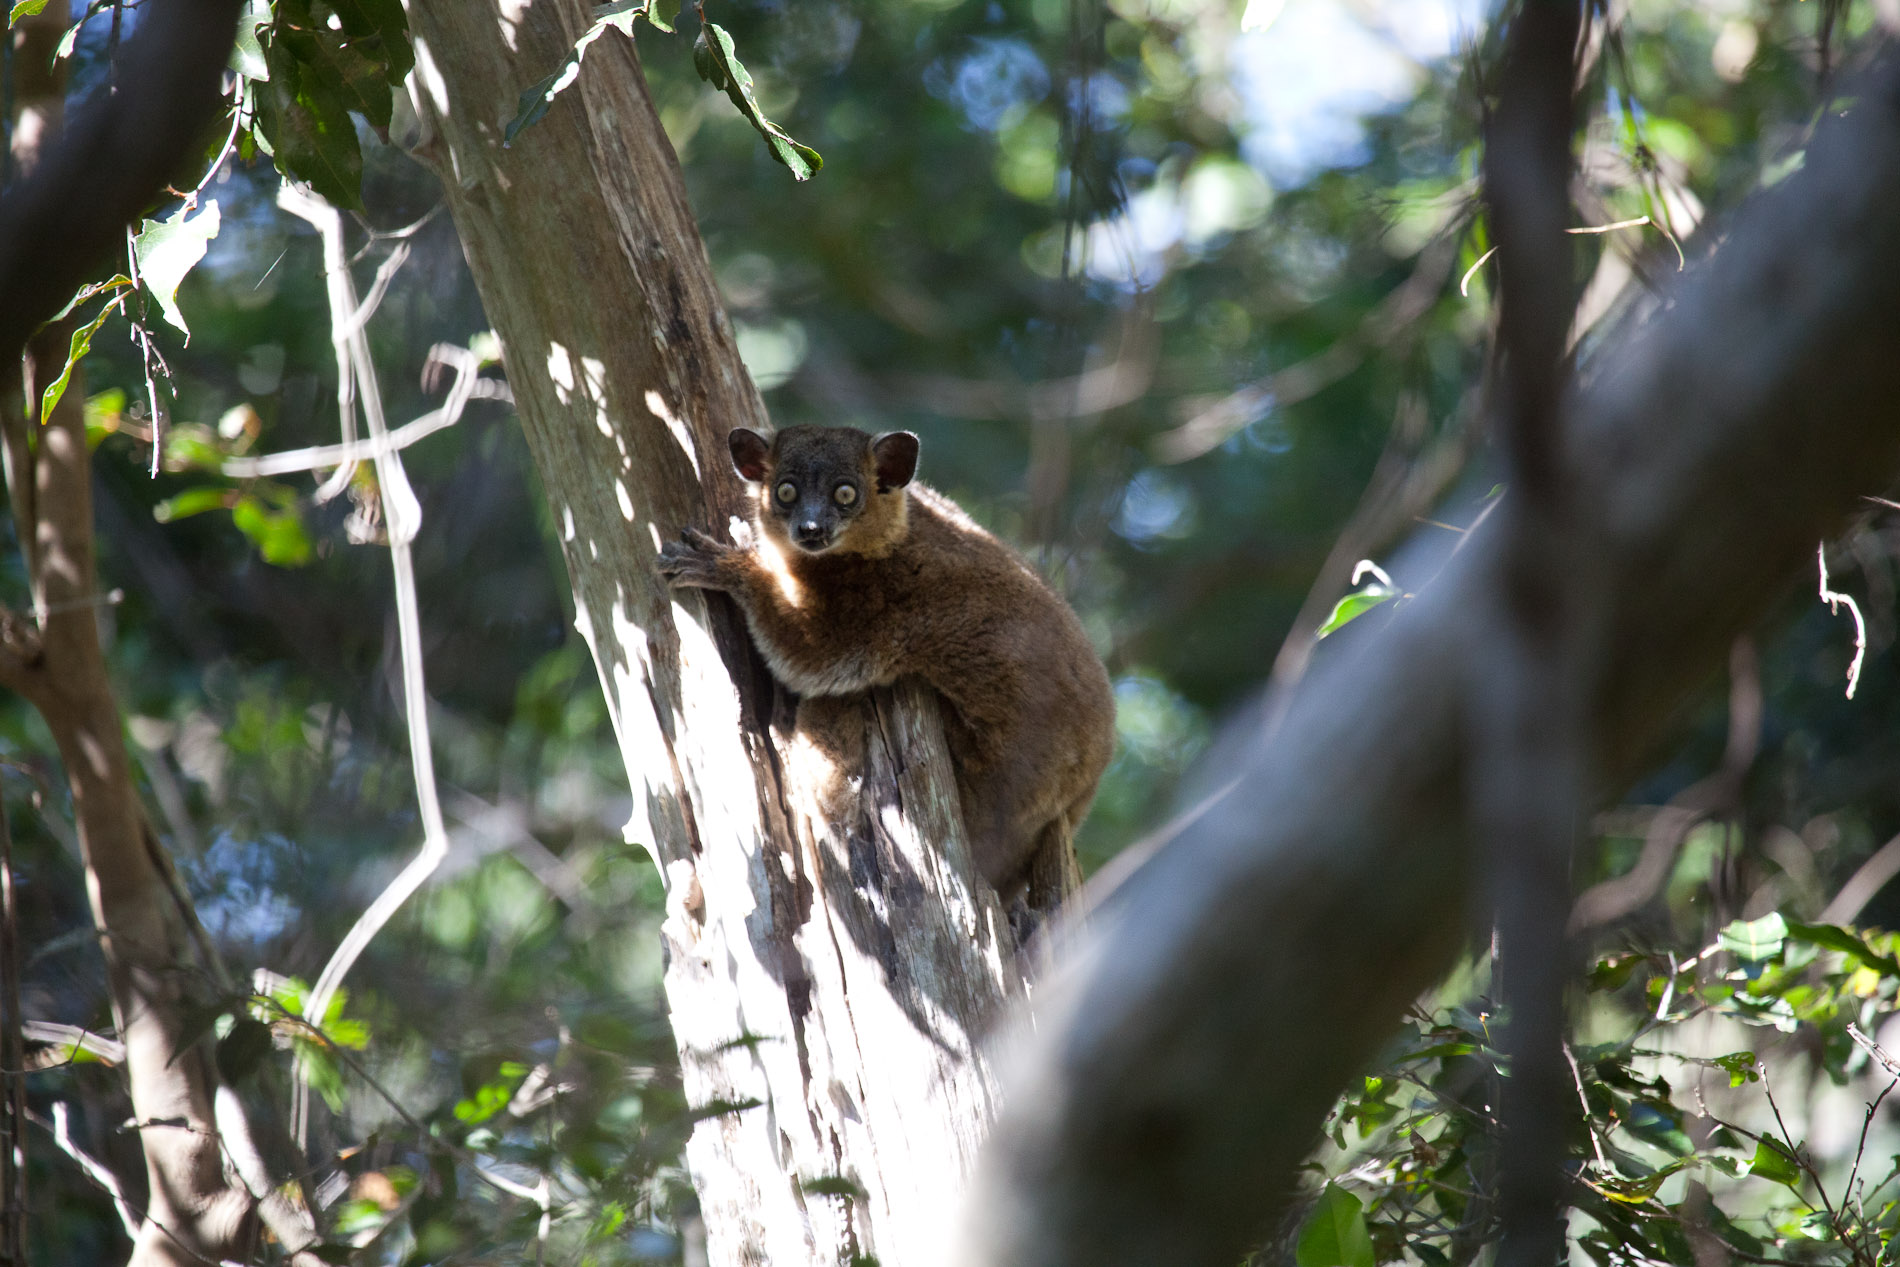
(1830, 937)
(278, 535)
(242, 1050)
(24, 9)
(306, 122)
(1755, 940)
(664, 14)
(1353, 606)
(89, 291)
(381, 21)
(247, 51)
(718, 65)
(193, 501)
(538, 96)
(81, 344)
(168, 249)
(1774, 1163)
(1740, 1066)
(1335, 1234)
(348, 74)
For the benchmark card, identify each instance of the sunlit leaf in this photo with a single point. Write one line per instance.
(247, 51)
(1774, 1163)
(1755, 940)
(25, 9)
(76, 352)
(1741, 1066)
(170, 248)
(714, 58)
(538, 96)
(1830, 937)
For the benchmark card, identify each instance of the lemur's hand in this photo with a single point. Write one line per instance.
(697, 561)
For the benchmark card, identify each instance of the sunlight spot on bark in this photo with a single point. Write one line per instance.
(509, 20)
(561, 370)
(659, 542)
(430, 76)
(626, 502)
(568, 530)
(594, 372)
(656, 405)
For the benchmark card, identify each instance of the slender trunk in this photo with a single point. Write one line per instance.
(69, 206)
(830, 981)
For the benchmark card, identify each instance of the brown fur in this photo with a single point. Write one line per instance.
(902, 583)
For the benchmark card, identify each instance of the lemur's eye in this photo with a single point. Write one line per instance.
(786, 492)
(845, 494)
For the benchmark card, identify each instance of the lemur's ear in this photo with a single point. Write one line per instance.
(895, 454)
(749, 451)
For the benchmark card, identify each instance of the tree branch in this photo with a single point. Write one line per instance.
(1183, 1067)
(113, 157)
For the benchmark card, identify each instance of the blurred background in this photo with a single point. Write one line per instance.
(1186, 298)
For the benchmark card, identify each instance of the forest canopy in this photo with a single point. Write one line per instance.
(1194, 302)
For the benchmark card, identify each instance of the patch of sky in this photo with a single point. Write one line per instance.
(1103, 97)
(235, 900)
(1309, 71)
(1156, 506)
(995, 77)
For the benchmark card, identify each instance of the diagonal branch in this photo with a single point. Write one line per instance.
(1227, 992)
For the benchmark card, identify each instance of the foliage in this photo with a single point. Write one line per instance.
(1018, 193)
(1681, 1146)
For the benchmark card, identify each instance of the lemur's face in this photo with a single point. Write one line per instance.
(815, 484)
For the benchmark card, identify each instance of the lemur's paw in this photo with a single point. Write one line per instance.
(694, 560)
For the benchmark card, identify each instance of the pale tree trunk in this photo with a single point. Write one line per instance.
(81, 186)
(830, 985)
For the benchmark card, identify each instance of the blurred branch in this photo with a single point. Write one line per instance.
(465, 387)
(402, 514)
(1612, 899)
(110, 160)
(1868, 879)
(1183, 1065)
(1120, 380)
(1404, 484)
(1394, 315)
(95, 1170)
(1527, 740)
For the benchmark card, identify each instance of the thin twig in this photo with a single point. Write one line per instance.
(1589, 1119)
(95, 1170)
(1834, 599)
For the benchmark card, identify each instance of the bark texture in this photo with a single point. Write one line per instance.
(831, 967)
(1226, 994)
